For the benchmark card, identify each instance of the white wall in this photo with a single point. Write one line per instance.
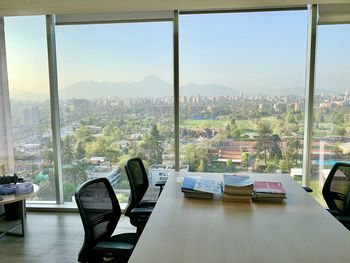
(6, 146)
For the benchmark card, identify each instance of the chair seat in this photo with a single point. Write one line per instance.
(125, 241)
(110, 246)
(117, 248)
(130, 238)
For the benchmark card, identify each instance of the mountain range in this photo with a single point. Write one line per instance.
(151, 86)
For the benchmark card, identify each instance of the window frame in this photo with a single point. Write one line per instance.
(51, 23)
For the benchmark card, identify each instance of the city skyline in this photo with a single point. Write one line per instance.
(251, 51)
(159, 88)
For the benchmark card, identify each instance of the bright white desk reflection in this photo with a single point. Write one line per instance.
(194, 230)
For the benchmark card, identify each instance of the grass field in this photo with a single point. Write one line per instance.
(221, 124)
(216, 124)
(247, 125)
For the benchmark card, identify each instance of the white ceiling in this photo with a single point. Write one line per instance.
(34, 7)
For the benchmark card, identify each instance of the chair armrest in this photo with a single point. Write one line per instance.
(160, 183)
(113, 247)
(139, 216)
(308, 189)
(146, 204)
(343, 219)
(334, 212)
(139, 211)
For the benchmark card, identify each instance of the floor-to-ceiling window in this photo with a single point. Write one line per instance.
(116, 101)
(242, 91)
(242, 85)
(30, 106)
(331, 131)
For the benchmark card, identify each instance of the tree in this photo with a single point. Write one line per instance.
(341, 131)
(153, 145)
(219, 139)
(291, 154)
(236, 134)
(275, 149)
(271, 168)
(202, 151)
(338, 118)
(233, 122)
(202, 165)
(48, 156)
(228, 131)
(67, 151)
(245, 159)
(75, 174)
(79, 151)
(123, 160)
(68, 191)
(264, 141)
(285, 165)
(290, 118)
(96, 148)
(190, 157)
(229, 164)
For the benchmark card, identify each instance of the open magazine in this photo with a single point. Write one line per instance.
(200, 188)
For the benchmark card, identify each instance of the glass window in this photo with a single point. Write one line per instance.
(242, 92)
(331, 131)
(26, 52)
(116, 101)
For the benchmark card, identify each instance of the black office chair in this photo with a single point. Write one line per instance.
(336, 192)
(100, 212)
(139, 210)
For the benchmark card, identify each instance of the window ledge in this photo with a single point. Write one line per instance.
(53, 207)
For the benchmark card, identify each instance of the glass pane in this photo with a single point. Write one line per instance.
(331, 133)
(115, 100)
(242, 92)
(28, 77)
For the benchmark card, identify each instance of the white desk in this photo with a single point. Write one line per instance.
(21, 201)
(194, 230)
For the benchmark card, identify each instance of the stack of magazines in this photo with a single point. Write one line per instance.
(237, 188)
(200, 188)
(269, 191)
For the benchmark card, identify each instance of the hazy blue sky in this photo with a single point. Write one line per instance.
(247, 51)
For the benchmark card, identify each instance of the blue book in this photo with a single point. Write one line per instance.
(188, 183)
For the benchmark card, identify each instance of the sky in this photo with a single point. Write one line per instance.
(250, 52)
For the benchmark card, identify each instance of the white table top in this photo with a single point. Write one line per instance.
(195, 230)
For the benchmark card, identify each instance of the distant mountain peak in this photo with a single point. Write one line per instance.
(151, 86)
(153, 78)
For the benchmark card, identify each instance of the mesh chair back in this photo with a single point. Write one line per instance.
(99, 210)
(138, 181)
(336, 190)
